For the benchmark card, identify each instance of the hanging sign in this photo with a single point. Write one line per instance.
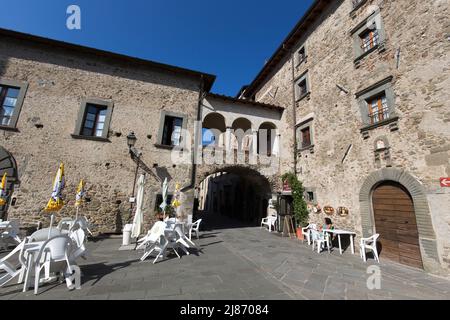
(286, 187)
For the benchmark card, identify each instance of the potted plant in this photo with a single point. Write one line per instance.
(301, 213)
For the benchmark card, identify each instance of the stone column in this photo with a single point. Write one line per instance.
(276, 145)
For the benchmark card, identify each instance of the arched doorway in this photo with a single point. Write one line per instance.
(233, 197)
(8, 165)
(427, 236)
(395, 221)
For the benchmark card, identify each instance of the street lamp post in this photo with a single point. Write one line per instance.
(131, 141)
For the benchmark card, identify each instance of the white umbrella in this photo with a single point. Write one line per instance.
(138, 216)
(164, 196)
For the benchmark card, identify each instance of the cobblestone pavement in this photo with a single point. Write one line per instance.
(237, 263)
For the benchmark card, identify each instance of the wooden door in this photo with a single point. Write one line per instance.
(395, 221)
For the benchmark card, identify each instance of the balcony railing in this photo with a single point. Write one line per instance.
(379, 115)
(219, 155)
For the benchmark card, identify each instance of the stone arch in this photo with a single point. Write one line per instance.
(427, 236)
(7, 164)
(267, 138)
(216, 123)
(242, 133)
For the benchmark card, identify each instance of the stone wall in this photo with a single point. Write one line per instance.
(58, 80)
(420, 146)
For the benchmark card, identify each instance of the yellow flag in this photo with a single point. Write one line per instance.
(56, 203)
(80, 194)
(3, 191)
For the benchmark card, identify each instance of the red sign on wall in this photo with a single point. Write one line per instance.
(286, 186)
(445, 182)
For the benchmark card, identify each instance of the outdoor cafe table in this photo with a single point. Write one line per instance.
(343, 232)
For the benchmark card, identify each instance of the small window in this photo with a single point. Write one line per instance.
(159, 200)
(377, 105)
(12, 94)
(301, 55)
(8, 102)
(302, 88)
(368, 36)
(310, 196)
(172, 131)
(94, 121)
(357, 3)
(369, 39)
(306, 137)
(378, 108)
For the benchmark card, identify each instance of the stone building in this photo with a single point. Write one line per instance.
(365, 86)
(355, 102)
(76, 105)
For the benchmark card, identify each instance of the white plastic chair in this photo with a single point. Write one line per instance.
(161, 244)
(321, 239)
(307, 231)
(9, 233)
(42, 234)
(369, 244)
(13, 264)
(269, 221)
(78, 250)
(152, 239)
(195, 227)
(82, 223)
(54, 257)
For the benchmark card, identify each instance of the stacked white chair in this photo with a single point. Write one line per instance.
(12, 264)
(54, 256)
(369, 244)
(10, 233)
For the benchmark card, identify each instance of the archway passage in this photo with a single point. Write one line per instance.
(395, 221)
(8, 165)
(233, 197)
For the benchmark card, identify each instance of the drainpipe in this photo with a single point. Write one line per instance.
(195, 148)
(294, 112)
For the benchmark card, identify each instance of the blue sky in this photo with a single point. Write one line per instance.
(228, 38)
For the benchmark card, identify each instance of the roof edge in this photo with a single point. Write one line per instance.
(208, 78)
(244, 101)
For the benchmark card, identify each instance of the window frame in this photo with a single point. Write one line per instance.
(23, 87)
(301, 60)
(79, 126)
(308, 123)
(162, 121)
(357, 32)
(371, 92)
(300, 79)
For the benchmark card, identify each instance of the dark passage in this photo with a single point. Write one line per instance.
(234, 198)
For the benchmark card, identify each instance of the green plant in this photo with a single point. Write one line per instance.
(301, 213)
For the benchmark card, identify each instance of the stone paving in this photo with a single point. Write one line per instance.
(237, 263)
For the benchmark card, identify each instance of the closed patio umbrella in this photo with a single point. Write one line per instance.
(3, 191)
(138, 216)
(164, 196)
(56, 202)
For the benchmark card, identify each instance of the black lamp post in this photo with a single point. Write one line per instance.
(131, 141)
